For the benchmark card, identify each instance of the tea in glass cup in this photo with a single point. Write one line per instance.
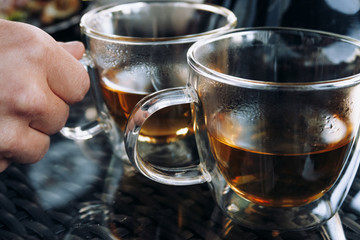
(137, 48)
(276, 118)
(167, 132)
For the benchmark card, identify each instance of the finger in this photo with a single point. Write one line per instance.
(4, 163)
(76, 49)
(67, 77)
(51, 117)
(20, 143)
(36, 104)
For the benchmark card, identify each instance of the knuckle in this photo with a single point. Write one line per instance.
(39, 48)
(58, 119)
(52, 119)
(37, 104)
(36, 47)
(31, 102)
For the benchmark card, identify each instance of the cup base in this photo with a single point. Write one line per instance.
(259, 217)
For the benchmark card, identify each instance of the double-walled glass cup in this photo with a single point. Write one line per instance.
(135, 49)
(276, 114)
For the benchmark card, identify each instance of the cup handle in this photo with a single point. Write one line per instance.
(90, 129)
(150, 104)
(86, 131)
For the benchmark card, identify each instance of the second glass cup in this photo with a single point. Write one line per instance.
(138, 48)
(276, 118)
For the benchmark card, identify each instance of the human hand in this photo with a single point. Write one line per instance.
(39, 78)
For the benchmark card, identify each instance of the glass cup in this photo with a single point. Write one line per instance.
(134, 49)
(276, 116)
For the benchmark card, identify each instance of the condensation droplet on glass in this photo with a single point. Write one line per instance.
(232, 208)
(334, 129)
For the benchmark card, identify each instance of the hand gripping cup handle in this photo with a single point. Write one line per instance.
(152, 103)
(99, 125)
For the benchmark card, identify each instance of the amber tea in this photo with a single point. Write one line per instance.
(278, 174)
(122, 89)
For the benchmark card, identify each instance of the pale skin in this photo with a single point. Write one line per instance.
(39, 79)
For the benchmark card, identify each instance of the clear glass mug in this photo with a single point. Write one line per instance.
(276, 113)
(134, 49)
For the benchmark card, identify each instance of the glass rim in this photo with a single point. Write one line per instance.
(230, 17)
(263, 84)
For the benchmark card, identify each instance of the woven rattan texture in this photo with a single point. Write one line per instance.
(140, 209)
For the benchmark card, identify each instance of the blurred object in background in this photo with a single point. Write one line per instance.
(327, 15)
(335, 16)
(53, 16)
(38, 12)
(104, 2)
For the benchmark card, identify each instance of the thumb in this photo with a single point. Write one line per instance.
(75, 48)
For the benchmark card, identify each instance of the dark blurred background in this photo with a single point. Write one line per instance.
(335, 16)
(60, 18)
